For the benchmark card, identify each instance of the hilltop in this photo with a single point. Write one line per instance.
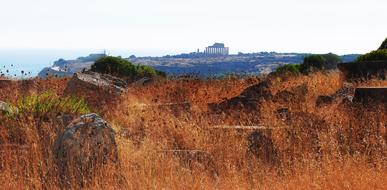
(253, 63)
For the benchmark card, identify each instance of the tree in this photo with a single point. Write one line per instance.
(332, 58)
(120, 67)
(384, 45)
(320, 62)
(312, 63)
(377, 55)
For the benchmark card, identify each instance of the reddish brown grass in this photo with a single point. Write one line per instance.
(334, 147)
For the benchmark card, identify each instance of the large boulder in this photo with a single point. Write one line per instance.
(367, 95)
(258, 92)
(248, 100)
(343, 95)
(84, 150)
(142, 82)
(364, 70)
(96, 88)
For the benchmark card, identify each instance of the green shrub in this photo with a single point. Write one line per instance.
(320, 62)
(288, 68)
(377, 55)
(331, 58)
(311, 63)
(48, 102)
(119, 67)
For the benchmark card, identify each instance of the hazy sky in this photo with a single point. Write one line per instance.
(317, 26)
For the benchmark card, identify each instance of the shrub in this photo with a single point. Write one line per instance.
(311, 63)
(119, 67)
(320, 62)
(332, 58)
(48, 102)
(288, 69)
(377, 55)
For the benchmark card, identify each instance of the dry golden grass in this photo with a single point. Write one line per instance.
(334, 147)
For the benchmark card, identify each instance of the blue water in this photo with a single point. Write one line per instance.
(32, 61)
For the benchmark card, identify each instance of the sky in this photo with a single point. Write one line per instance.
(176, 26)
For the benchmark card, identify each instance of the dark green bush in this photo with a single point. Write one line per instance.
(288, 69)
(312, 63)
(384, 45)
(119, 67)
(377, 55)
(320, 62)
(332, 58)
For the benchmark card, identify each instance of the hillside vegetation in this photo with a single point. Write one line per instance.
(377, 55)
(311, 63)
(119, 67)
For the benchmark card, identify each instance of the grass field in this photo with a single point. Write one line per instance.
(165, 144)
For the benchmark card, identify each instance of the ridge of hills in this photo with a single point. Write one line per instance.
(252, 63)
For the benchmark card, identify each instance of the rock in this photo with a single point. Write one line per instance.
(363, 70)
(347, 100)
(83, 150)
(283, 114)
(249, 99)
(258, 92)
(96, 88)
(324, 101)
(295, 95)
(343, 95)
(284, 96)
(92, 80)
(142, 82)
(301, 90)
(369, 95)
(6, 108)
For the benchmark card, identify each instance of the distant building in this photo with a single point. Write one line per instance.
(217, 49)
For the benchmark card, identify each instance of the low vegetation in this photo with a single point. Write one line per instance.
(120, 67)
(48, 102)
(288, 69)
(312, 63)
(377, 55)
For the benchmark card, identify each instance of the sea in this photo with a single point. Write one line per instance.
(27, 63)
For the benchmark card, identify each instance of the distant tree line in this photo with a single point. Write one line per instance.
(312, 63)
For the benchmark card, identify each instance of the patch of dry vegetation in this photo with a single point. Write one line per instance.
(164, 146)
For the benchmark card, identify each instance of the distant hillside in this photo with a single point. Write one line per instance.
(252, 63)
(63, 67)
